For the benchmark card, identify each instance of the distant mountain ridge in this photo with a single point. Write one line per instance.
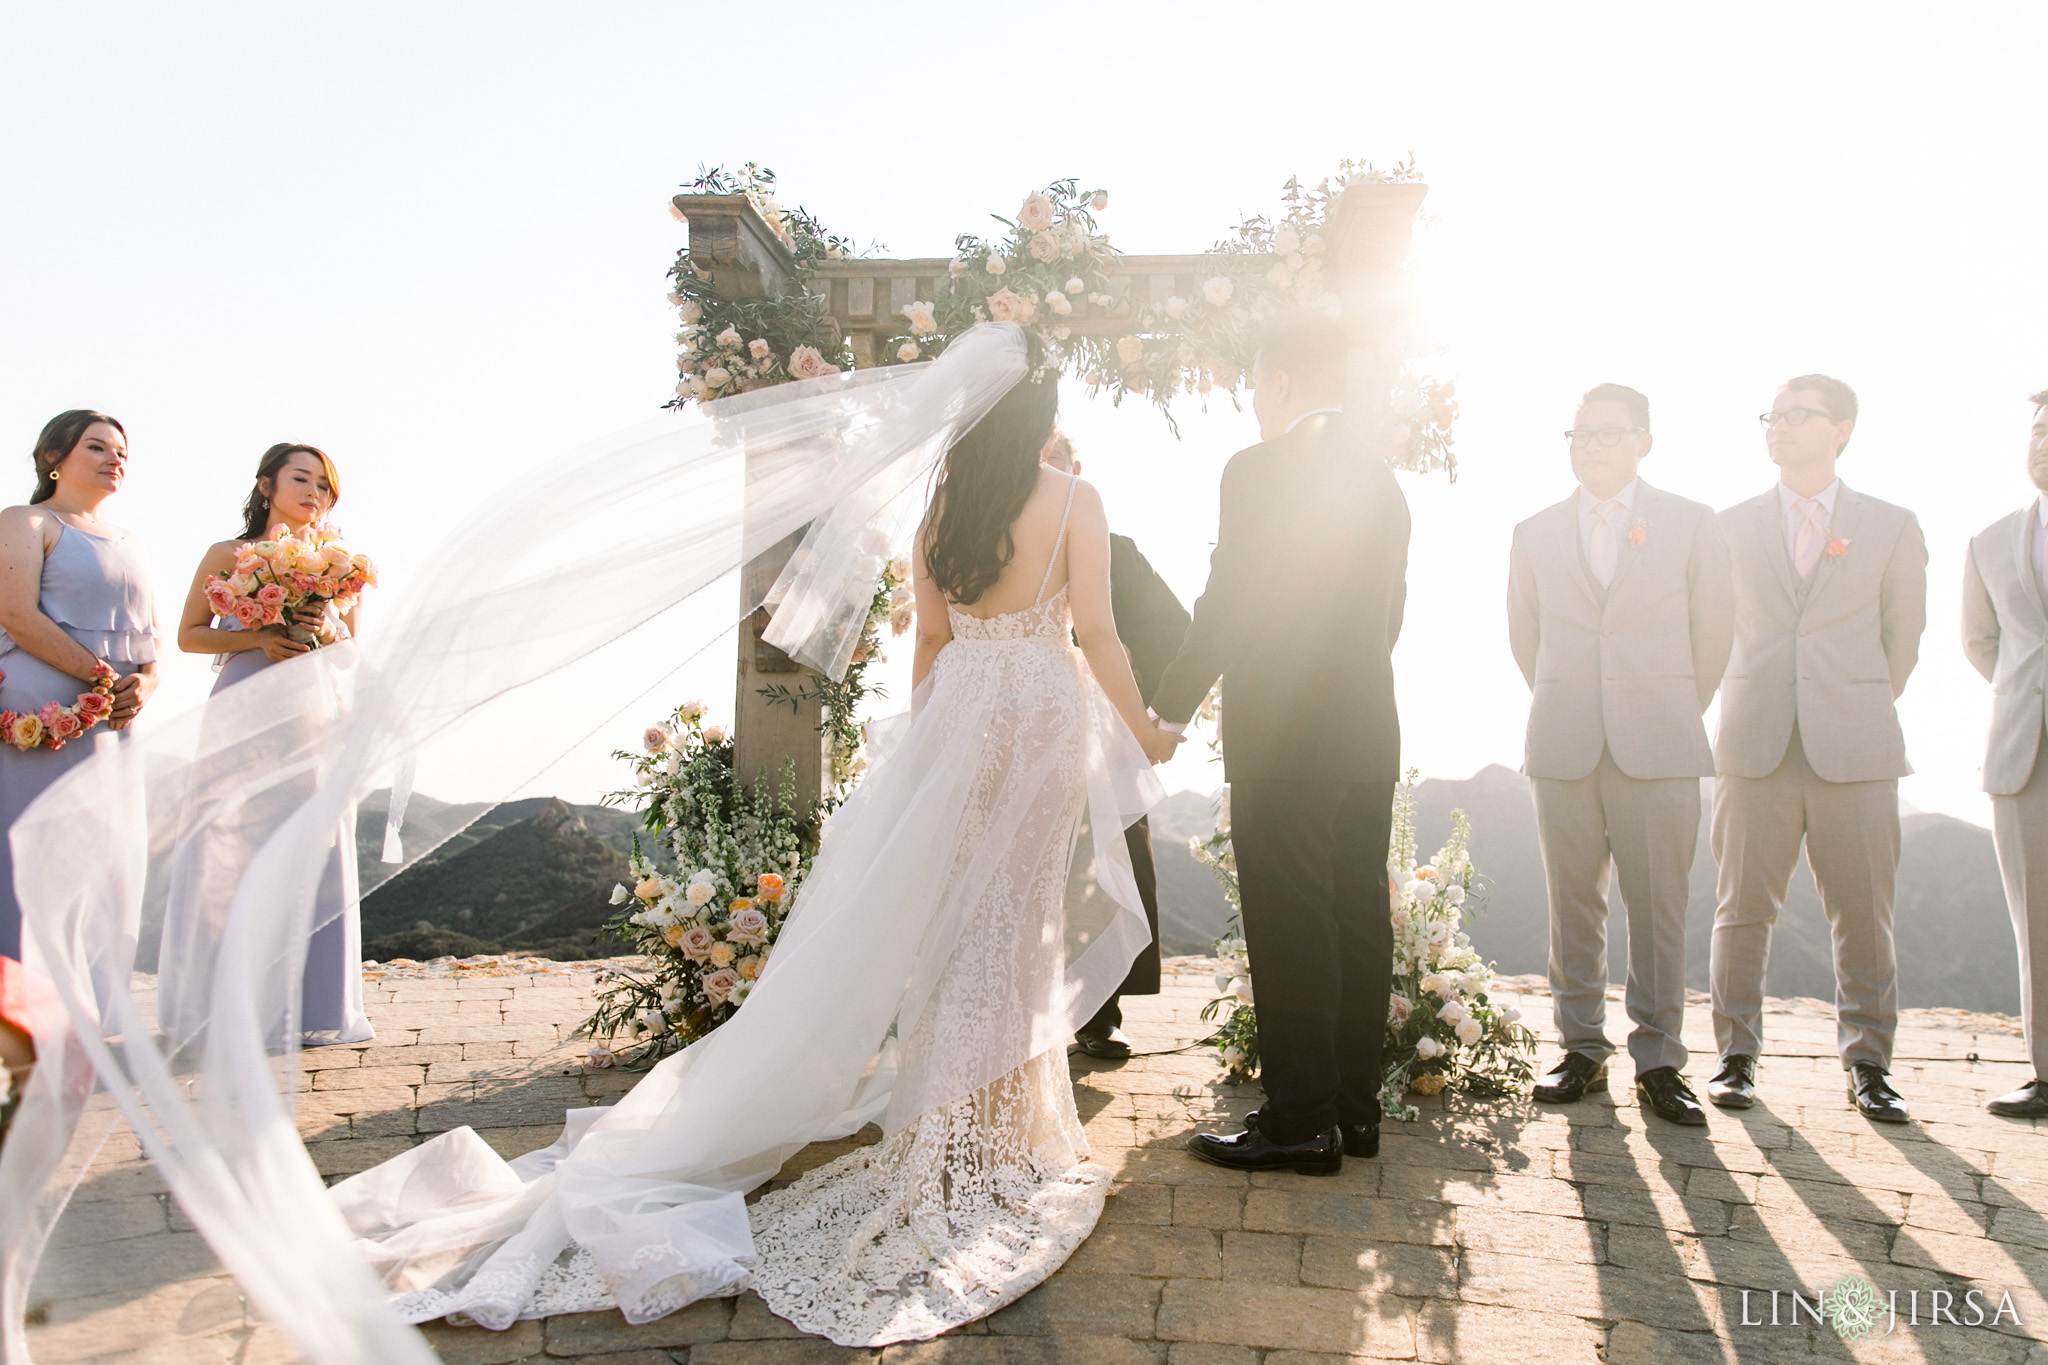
(536, 875)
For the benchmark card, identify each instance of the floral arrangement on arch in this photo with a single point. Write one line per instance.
(1443, 1028)
(729, 346)
(707, 922)
(1049, 265)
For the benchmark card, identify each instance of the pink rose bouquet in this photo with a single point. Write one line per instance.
(288, 572)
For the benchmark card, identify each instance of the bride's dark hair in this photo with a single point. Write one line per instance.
(986, 480)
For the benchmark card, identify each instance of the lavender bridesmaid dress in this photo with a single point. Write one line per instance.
(331, 992)
(96, 587)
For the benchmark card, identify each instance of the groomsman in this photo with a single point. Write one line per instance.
(1150, 621)
(1621, 615)
(2005, 633)
(1830, 600)
(1299, 618)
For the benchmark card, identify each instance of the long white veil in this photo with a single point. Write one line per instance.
(620, 560)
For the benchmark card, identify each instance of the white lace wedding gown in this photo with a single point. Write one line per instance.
(936, 962)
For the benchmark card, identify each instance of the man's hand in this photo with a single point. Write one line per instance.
(1161, 745)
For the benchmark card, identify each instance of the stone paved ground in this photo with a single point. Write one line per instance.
(1486, 1232)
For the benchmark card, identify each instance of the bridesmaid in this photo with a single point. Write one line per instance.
(296, 487)
(74, 593)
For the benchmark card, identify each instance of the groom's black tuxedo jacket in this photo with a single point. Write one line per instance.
(1301, 612)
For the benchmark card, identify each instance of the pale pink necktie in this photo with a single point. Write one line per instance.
(1812, 535)
(1605, 550)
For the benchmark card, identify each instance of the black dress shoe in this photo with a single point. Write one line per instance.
(1734, 1085)
(2030, 1101)
(1870, 1090)
(1112, 1046)
(1252, 1150)
(1575, 1077)
(1663, 1092)
(1361, 1140)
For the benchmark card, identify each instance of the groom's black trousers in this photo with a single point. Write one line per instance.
(1312, 873)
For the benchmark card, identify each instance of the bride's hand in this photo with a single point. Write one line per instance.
(1160, 745)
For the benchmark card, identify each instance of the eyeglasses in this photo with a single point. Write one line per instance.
(1605, 437)
(1794, 417)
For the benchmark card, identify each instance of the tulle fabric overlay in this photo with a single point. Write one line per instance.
(562, 579)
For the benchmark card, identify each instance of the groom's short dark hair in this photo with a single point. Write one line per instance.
(1308, 346)
(1638, 406)
(1840, 398)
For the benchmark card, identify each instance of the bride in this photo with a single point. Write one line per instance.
(933, 967)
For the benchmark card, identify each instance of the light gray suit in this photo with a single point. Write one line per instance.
(2005, 624)
(1616, 750)
(1810, 748)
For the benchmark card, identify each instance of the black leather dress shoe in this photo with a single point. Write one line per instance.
(1112, 1046)
(1575, 1077)
(1870, 1090)
(2030, 1101)
(1361, 1140)
(1663, 1092)
(1252, 1150)
(1734, 1085)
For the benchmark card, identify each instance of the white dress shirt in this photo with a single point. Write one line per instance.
(1788, 503)
(1589, 515)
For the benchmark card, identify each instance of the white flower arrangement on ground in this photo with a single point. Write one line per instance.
(708, 922)
(1443, 1028)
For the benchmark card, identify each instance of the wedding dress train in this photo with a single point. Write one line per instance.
(933, 968)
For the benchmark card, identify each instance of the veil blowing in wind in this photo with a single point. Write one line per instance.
(534, 600)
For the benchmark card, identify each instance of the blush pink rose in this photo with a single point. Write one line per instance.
(220, 597)
(65, 725)
(718, 985)
(748, 926)
(248, 613)
(1044, 247)
(696, 943)
(805, 362)
(1004, 305)
(1036, 215)
(94, 705)
(271, 595)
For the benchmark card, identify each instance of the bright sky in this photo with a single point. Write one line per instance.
(432, 239)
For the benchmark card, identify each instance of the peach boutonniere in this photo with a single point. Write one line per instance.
(1639, 535)
(1838, 548)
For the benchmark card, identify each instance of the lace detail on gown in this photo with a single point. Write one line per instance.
(970, 1202)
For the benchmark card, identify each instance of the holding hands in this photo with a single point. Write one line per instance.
(1159, 743)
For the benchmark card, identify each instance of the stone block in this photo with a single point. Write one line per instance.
(131, 1264)
(1262, 1257)
(369, 1077)
(1208, 1353)
(91, 1222)
(1306, 1212)
(1375, 1268)
(1166, 1166)
(1140, 1204)
(1083, 1305)
(1207, 1206)
(1152, 1252)
(995, 1350)
(1282, 1318)
(1526, 1193)
(479, 1346)
(751, 1321)
(1543, 1286)
(803, 1351)
(1972, 1258)
(1632, 1343)
(583, 1334)
(1528, 1234)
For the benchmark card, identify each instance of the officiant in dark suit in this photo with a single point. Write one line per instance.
(1299, 618)
(1151, 622)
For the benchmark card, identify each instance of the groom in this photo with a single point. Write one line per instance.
(1299, 618)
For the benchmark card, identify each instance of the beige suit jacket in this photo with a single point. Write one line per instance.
(1832, 656)
(2005, 622)
(1629, 670)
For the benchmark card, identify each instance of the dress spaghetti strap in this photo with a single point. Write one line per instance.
(1057, 540)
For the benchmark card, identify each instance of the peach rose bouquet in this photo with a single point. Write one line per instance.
(287, 574)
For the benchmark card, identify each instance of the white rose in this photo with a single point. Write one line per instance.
(1454, 1013)
(996, 264)
(1510, 1015)
(1076, 285)
(758, 348)
(1469, 1032)
(698, 893)
(1233, 1057)
(714, 734)
(691, 310)
(1222, 978)
(693, 710)
(1428, 1048)
(705, 876)
(1175, 306)
(1455, 894)
(1243, 989)
(1058, 303)
(619, 894)
(730, 337)
(958, 267)
(1217, 290)
(717, 377)
(1286, 240)
(921, 318)
(907, 351)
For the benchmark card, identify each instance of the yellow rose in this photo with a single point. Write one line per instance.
(722, 954)
(743, 903)
(750, 966)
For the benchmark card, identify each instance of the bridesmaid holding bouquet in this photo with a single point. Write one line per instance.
(77, 623)
(296, 487)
